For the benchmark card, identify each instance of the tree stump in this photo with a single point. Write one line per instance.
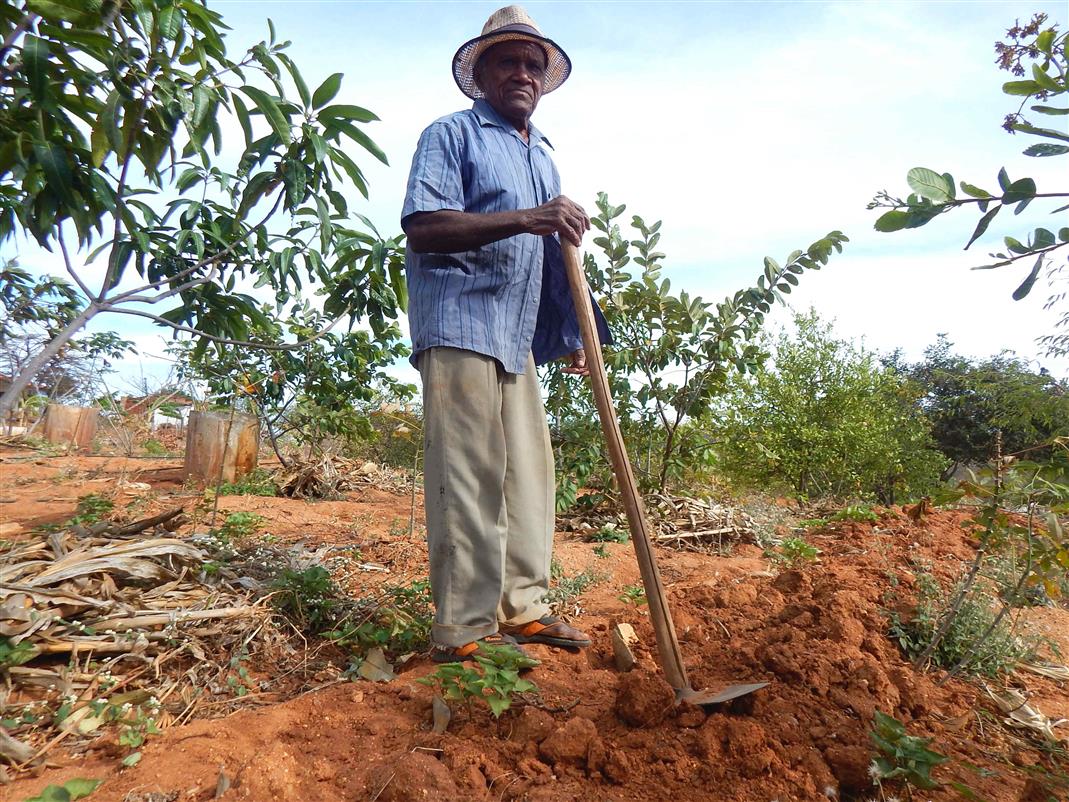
(220, 444)
(72, 427)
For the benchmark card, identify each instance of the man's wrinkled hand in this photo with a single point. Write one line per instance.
(578, 366)
(559, 216)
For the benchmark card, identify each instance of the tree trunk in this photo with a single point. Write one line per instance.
(220, 446)
(19, 383)
(72, 427)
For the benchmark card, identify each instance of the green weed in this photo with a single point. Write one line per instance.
(398, 624)
(77, 788)
(633, 594)
(495, 681)
(609, 533)
(794, 551)
(91, 509)
(15, 654)
(967, 638)
(309, 598)
(239, 526)
(257, 482)
(564, 591)
(902, 756)
(856, 512)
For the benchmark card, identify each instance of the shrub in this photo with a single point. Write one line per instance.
(967, 639)
(825, 419)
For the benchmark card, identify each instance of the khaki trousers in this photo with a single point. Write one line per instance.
(489, 494)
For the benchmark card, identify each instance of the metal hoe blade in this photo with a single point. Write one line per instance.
(703, 698)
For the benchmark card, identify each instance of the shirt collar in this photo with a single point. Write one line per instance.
(488, 116)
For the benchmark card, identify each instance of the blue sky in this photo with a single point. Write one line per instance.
(750, 129)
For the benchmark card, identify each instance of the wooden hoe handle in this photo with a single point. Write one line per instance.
(667, 644)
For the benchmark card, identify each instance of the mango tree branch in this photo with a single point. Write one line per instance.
(70, 267)
(54, 346)
(107, 306)
(210, 260)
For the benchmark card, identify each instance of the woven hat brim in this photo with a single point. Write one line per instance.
(558, 65)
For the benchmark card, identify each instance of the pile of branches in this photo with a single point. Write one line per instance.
(678, 522)
(330, 475)
(691, 524)
(94, 612)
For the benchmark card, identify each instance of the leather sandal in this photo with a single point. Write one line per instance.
(551, 630)
(469, 651)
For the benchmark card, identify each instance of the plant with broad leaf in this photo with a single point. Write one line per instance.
(112, 151)
(671, 355)
(902, 756)
(78, 788)
(495, 682)
(935, 193)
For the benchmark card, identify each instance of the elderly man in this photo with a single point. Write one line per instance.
(488, 300)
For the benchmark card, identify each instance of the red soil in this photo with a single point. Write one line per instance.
(816, 634)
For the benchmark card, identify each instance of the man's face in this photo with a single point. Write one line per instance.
(511, 76)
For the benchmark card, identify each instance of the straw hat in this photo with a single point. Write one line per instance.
(507, 24)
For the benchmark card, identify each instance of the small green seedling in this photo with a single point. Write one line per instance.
(796, 551)
(77, 788)
(902, 756)
(609, 533)
(495, 684)
(633, 594)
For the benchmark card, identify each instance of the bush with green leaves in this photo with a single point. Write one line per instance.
(901, 756)
(971, 641)
(671, 356)
(495, 681)
(984, 409)
(824, 418)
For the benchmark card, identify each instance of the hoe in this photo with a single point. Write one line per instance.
(667, 644)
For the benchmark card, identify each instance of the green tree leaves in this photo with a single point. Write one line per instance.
(672, 354)
(931, 185)
(110, 119)
(270, 108)
(933, 193)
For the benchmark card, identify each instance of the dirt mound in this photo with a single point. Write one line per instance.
(816, 633)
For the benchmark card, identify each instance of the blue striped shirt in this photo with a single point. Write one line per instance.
(506, 299)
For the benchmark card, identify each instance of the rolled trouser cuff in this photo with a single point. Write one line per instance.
(453, 636)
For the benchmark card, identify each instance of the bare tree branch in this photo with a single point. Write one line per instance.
(70, 267)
